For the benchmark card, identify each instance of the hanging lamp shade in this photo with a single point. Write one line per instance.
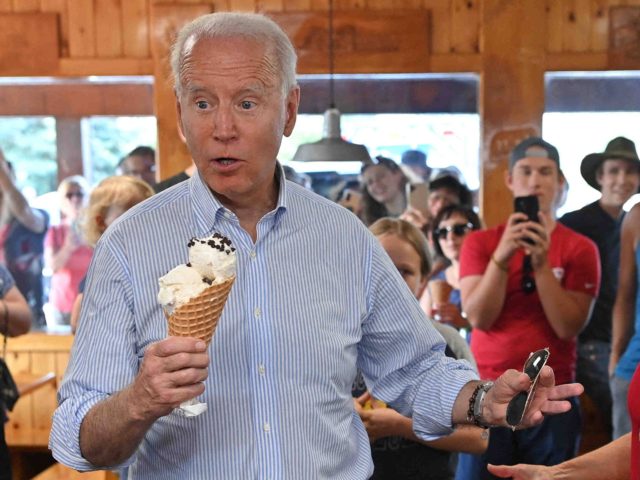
(332, 148)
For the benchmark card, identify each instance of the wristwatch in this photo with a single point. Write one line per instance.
(474, 414)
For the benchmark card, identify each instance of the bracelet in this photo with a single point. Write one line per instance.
(474, 414)
(501, 266)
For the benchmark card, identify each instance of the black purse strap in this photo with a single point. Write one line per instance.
(5, 333)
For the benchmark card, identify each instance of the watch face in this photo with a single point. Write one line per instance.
(518, 405)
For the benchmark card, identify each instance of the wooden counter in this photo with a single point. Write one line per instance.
(37, 361)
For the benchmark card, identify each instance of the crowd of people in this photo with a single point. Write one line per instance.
(351, 346)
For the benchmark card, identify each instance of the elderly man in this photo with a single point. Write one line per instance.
(528, 284)
(312, 299)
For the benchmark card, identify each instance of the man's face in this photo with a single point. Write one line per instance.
(618, 180)
(233, 115)
(536, 176)
(140, 166)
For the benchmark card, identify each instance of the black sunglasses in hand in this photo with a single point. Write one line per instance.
(518, 405)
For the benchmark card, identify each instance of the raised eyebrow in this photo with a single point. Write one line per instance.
(196, 90)
(252, 90)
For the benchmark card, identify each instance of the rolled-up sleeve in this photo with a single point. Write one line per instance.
(104, 358)
(402, 355)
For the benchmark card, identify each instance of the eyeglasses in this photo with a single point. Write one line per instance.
(70, 195)
(459, 229)
(518, 405)
(528, 283)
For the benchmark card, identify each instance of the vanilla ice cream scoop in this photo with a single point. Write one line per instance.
(178, 286)
(212, 260)
(213, 257)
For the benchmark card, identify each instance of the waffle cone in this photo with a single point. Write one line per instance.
(200, 315)
(440, 291)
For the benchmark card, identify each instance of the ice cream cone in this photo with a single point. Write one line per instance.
(440, 291)
(200, 315)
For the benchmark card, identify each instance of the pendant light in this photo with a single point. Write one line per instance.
(332, 148)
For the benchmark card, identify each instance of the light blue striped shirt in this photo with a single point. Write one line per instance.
(315, 298)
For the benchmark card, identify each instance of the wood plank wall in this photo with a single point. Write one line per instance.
(36, 353)
(116, 37)
(119, 30)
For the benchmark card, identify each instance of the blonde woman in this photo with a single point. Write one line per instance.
(397, 452)
(111, 198)
(65, 252)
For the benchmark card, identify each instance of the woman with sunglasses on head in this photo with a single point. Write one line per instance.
(397, 453)
(450, 227)
(383, 190)
(66, 253)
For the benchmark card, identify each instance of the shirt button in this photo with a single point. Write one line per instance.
(261, 369)
(253, 254)
(256, 312)
(266, 427)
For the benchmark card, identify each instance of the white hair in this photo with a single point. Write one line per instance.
(252, 26)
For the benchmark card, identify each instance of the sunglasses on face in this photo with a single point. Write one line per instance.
(70, 195)
(459, 229)
(528, 283)
(518, 405)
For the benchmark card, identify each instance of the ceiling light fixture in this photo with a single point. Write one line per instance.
(332, 148)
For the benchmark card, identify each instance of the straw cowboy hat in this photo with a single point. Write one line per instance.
(620, 148)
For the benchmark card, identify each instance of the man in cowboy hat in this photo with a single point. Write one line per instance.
(616, 174)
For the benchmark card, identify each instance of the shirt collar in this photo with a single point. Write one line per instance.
(208, 210)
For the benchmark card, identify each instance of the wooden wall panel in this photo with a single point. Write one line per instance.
(36, 353)
(242, 5)
(348, 5)
(109, 19)
(5, 6)
(465, 26)
(28, 44)
(599, 26)
(385, 41)
(270, 5)
(82, 29)
(135, 28)
(26, 6)
(59, 7)
(554, 19)
(441, 25)
(576, 31)
(45, 397)
(303, 5)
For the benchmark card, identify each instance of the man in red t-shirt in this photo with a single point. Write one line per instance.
(527, 285)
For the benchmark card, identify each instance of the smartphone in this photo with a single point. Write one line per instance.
(418, 196)
(529, 206)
